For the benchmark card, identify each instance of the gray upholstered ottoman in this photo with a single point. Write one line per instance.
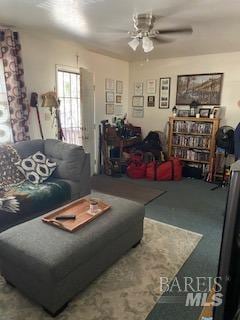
(51, 266)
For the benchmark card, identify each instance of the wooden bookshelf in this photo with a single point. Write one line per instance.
(193, 139)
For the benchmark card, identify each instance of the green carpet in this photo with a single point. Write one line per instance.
(189, 204)
(125, 189)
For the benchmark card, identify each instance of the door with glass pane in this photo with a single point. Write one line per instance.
(68, 87)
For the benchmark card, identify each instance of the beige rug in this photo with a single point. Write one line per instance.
(126, 291)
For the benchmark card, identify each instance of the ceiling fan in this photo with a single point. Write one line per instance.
(145, 32)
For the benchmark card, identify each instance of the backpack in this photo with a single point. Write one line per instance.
(152, 140)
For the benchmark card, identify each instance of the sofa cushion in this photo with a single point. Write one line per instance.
(70, 159)
(36, 168)
(28, 148)
(52, 253)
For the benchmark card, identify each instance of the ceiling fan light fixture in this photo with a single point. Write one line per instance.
(134, 43)
(147, 44)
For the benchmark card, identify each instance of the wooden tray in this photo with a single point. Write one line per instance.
(81, 209)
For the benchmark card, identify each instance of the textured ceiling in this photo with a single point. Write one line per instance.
(102, 25)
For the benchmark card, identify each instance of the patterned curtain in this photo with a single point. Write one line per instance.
(16, 92)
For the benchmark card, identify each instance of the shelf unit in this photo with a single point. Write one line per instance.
(193, 139)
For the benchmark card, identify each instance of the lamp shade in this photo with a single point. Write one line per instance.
(134, 44)
(147, 44)
(50, 100)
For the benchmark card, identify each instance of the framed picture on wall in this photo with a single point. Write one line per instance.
(109, 108)
(138, 112)
(119, 87)
(109, 84)
(118, 110)
(164, 93)
(151, 86)
(204, 88)
(110, 96)
(118, 99)
(151, 101)
(138, 88)
(138, 101)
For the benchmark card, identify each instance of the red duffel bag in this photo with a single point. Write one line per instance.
(136, 168)
(169, 170)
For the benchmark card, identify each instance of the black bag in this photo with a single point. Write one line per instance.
(152, 141)
(192, 172)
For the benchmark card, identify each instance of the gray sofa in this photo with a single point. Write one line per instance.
(73, 164)
(70, 181)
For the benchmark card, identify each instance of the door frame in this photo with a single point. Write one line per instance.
(67, 68)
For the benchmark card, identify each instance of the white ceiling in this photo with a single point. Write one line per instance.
(216, 23)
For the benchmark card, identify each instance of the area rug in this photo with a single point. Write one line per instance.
(124, 189)
(126, 291)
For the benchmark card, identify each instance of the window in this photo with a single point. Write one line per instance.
(68, 86)
(5, 126)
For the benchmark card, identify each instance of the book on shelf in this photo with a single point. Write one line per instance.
(191, 141)
(191, 154)
(192, 127)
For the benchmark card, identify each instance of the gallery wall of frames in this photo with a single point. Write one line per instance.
(203, 90)
(114, 97)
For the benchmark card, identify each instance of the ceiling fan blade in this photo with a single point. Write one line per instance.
(162, 40)
(187, 30)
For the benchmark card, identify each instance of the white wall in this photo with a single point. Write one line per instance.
(41, 53)
(155, 118)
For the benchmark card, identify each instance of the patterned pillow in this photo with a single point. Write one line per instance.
(36, 168)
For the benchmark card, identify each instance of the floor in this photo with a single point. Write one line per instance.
(192, 205)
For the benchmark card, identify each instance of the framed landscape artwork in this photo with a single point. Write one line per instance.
(203, 88)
